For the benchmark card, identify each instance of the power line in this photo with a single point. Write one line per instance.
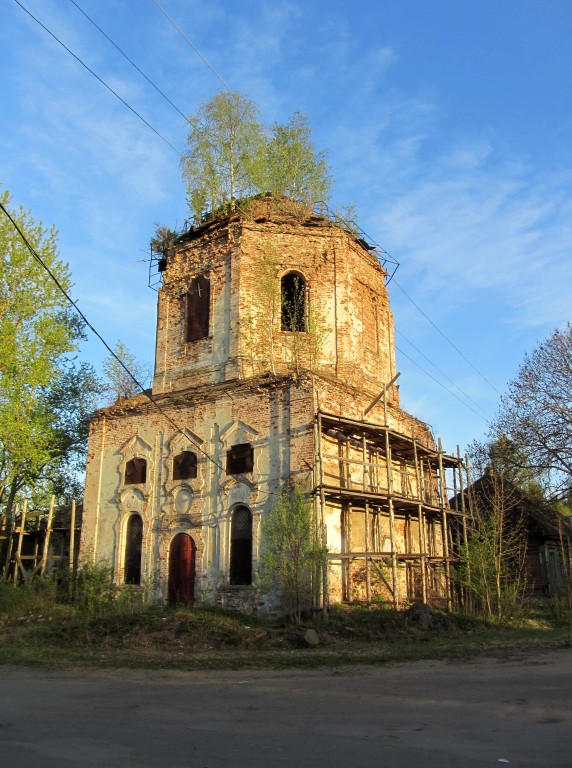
(424, 356)
(144, 392)
(156, 87)
(63, 291)
(195, 49)
(450, 391)
(109, 88)
(179, 154)
(447, 339)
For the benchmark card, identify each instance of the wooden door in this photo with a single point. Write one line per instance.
(182, 570)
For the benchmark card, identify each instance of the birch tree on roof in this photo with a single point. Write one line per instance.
(225, 142)
(232, 155)
(291, 166)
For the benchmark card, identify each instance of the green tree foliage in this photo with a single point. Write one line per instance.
(224, 144)
(507, 460)
(291, 167)
(69, 402)
(292, 553)
(119, 385)
(491, 569)
(45, 397)
(536, 414)
(162, 240)
(231, 154)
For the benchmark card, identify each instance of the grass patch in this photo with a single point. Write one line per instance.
(39, 628)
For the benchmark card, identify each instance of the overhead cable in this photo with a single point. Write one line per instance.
(122, 52)
(447, 339)
(109, 88)
(63, 291)
(195, 49)
(450, 391)
(423, 355)
(179, 154)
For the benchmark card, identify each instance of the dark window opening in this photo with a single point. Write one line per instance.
(241, 546)
(135, 471)
(198, 306)
(239, 459)
(185, 465)
(133, 550)
(293, 302)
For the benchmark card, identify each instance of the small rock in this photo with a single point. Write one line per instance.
(310, 638)
(420, 615)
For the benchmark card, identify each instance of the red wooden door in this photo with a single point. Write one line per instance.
(182, 570)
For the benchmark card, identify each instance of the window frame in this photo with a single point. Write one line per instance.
(135, 471)
(133, 551)
(236, 453)
(295, 321)
(197, 310)
(240, 571)
(178, 465)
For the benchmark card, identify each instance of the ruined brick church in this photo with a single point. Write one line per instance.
(274, 363)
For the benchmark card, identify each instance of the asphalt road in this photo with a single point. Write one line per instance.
(516, 712)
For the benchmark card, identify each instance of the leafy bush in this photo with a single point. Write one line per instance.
(27, 597)
(93, 590)
(292, 553)
(561, 604)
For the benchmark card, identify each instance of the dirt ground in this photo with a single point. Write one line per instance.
(515, 710)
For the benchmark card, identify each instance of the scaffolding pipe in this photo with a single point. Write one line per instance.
(17, 560)
(422, 545)
(444, 522)
(391, 520)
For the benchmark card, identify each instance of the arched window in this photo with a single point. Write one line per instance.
(293, 302)
(198, 307)
(185, 466)
(133, 550)
(241, 546)
(135, 471)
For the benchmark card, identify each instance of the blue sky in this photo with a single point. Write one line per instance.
(447, 123)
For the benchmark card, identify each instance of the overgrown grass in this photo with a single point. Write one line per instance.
(89, 624)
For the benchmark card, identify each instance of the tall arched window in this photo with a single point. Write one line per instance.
(293, 302)
(241, 546)
(133, 550)
(135, 471)
(185, 466)
(198, 307)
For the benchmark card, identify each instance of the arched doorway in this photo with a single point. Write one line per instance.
(182, 570)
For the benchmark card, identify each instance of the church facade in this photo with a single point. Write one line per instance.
(274, 364)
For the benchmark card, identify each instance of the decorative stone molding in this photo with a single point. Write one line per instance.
(132, 499)
(134, 448)
(238, 490)
(236, 433)
(185, 440)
